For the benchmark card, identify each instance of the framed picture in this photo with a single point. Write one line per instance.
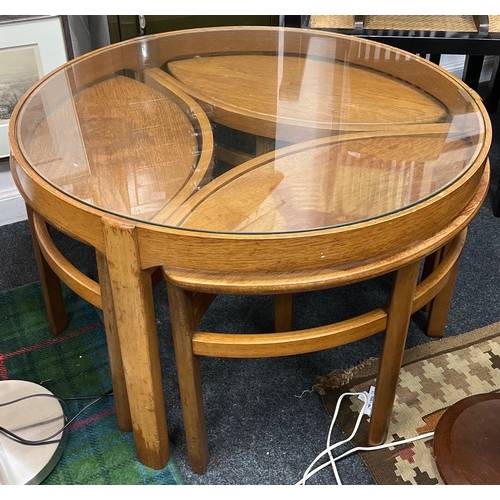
(30, 47)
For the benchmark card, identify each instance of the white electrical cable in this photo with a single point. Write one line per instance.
(329, 448)
(363, 395)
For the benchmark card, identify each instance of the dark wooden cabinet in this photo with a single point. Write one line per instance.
(126, 27)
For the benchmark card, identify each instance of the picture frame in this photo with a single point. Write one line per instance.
(30, 47)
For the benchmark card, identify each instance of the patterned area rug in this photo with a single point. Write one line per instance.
(74, 363)
(433, 377)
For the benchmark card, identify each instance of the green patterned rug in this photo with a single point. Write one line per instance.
(74, 363)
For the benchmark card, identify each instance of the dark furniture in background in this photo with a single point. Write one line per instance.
(126, 27)
(428, 36)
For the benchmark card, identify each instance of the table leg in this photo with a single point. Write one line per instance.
(283, 306)
(132, 293)
(188, 370)
(398, 319)
(431, 262)
(263, 145)
(51, 284)
(440, 305)
(122, 408)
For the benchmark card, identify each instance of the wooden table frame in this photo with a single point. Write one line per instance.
(189, 294)
(130, 252)
(126, 298)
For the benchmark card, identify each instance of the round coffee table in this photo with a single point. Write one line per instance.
(248, 161)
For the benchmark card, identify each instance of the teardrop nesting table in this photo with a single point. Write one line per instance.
(248, 161)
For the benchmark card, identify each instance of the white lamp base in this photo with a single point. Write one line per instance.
(33, 419)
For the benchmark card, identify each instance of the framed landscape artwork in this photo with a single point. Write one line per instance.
(30, 47)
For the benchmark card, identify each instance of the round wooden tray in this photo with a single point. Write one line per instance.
(467, 441)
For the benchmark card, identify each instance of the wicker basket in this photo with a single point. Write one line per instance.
(464, 24)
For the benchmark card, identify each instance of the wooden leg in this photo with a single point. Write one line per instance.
(115, 357)
(51, 284)
(283, 305)
(188, 370)
(430, 264)
(398, 319)
(201, 302)
(440, 305)
(263, 145)
(132, 293)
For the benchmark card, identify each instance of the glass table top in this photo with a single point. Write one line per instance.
(250, 130)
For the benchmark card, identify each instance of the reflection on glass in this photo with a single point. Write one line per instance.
(250, 130)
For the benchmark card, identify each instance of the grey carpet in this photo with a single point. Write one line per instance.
(264, 426)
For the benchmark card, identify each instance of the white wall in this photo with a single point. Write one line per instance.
(12, 208)
(46, 34)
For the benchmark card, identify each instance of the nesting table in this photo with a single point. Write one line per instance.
(247, 160)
